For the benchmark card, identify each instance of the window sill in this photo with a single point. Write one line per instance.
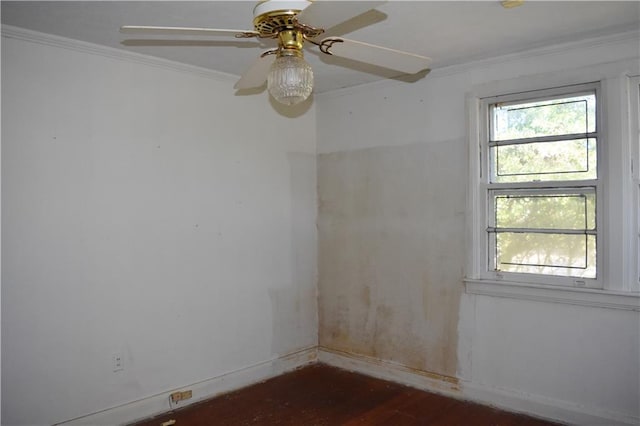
(553, 294)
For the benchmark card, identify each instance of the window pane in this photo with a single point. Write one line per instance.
(565, 116)
(549, 254)
(555, 211)
(545, 161)
(542, 155)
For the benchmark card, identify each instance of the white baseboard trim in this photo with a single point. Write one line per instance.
(507, 399)
(511, 400)
(539, 406)
(158, 404)
(392, 371)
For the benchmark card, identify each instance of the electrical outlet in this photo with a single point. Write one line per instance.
(181, 396)
(118, 362)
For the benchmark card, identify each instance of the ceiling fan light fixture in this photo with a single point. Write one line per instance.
(290, 79)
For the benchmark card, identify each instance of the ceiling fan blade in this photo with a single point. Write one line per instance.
(326, 14)
(256, 75)
(406, 62)
(138, 29)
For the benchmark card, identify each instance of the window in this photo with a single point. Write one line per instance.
(554, 187)
(540, 185)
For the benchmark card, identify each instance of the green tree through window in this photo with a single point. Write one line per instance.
(542, 186)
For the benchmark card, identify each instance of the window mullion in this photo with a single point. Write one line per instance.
(553, 138)
(541, 187)
(559, 231)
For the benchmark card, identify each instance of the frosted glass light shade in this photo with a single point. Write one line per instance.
(290, 80)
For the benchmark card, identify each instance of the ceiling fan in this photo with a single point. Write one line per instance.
(293, 23)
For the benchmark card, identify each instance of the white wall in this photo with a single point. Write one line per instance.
(563, 357)
(393, 175)
(147, 211)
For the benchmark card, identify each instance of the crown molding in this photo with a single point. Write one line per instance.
(9, 31)
(551, 49)
(547, 50)
(23, 34)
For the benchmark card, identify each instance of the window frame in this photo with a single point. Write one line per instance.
(634, 138)
(620, 248)
(485, 188)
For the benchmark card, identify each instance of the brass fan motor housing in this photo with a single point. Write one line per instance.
(272, 23)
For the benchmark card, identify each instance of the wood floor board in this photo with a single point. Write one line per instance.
(320, 395)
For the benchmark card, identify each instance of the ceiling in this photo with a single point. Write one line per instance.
(450, 32)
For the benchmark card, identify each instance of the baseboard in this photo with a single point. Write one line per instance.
(506, 399)
(552, 409)
(392, 371)
(158, 404)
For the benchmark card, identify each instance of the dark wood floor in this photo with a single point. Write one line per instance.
(322, 395)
